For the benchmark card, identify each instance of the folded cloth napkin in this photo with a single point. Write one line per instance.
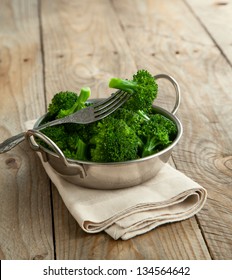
(125, 213)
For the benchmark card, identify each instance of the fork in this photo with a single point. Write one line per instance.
(95, 112)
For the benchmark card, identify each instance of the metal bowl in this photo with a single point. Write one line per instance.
(113, 175)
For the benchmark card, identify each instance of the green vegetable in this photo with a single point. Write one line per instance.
(134, 119)
(143, 88)
(57, 134)
(114, 141)
(133, 131)
(67, 136)
(61, 101)
(77, 148)
(79, 104)
(158, 133)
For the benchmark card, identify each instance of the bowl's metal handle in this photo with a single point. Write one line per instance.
(35, 133)
(176, 87)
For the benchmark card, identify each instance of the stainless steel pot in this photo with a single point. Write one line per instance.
(108, 175)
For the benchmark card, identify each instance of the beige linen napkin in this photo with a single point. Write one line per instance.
(124, 213)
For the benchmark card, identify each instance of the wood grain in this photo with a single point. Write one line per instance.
(49, 46)
(71, 242)
(83, 46)
(215, 17)
(25, 220)
(204, 153)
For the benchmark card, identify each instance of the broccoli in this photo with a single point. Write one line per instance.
(133, 131)
(79, 104)
(57, 134)
(62, 100)
(134, 119)
(154, 130)
(70, 143)
(143, 89)
(157, 133)
(65, 136)
(115, 141)
(77, 148)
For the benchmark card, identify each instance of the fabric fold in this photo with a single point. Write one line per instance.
(124, 213)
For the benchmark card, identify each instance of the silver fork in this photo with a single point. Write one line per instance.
(95, 112)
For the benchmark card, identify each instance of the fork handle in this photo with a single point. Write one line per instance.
(11, 142)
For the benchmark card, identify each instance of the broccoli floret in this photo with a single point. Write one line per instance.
(77, 149)
(78, 105)
(157, 134)
(165, 123)
(143, 88)
(62, 100)
(134, 119)
(86, 131)
(70, 143)
(57, 134)
(114, 142)
(156, 142)
(66, 136)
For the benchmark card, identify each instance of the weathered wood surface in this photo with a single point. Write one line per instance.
(215, 18)
(214, 152)
(48, 46)
(25, 210)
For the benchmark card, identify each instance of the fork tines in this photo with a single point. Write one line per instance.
(110, 104)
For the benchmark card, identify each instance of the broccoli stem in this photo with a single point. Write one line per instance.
(84, 95)
(125, 85)
(78, 105)
(143, 115)
(150, 146)
(81, 150)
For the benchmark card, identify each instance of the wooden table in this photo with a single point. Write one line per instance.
(49, 46)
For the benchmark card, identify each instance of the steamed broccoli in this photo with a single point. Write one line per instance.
(61, 101)
(67, 136)
(57, 134)
(77, 148)
(158, 132)
(143, 89)
(134, 119)
(115, 141)
(133, 131)
(79, 104)
(70, 143)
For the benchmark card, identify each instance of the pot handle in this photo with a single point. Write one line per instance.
(35, 133)
(176, 87)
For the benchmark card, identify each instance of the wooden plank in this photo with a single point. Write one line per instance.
(25, 216)
(83, 46)
(215, 16)
(169, 44)
(87, 48)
